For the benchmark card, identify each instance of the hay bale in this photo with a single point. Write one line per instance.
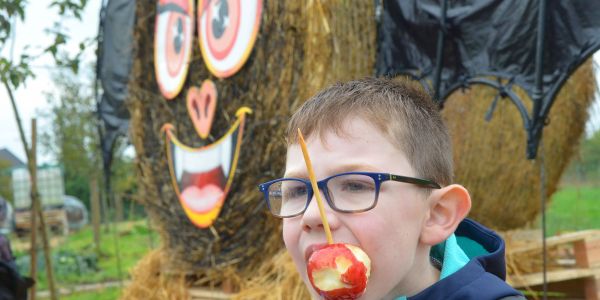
(276, 279)
(150, 282)
(293, 57)
(490, 156)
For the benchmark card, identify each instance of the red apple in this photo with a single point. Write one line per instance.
(339, 271)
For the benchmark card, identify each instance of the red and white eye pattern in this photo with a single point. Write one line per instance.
(173, 44)
(227, 30)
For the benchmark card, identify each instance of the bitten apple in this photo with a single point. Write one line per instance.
(339, 271)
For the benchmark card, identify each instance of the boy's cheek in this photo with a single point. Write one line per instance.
(291, 238)
(291, 234)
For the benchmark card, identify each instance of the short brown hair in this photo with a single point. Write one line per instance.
(399, 107)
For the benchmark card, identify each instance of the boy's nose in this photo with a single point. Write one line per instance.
(311, 219)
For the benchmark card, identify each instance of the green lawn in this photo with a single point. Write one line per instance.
(574, 208)
(75, 260)
(105, 294)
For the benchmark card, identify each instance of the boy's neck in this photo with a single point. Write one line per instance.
(421, 275)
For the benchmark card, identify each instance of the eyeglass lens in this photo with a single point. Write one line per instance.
(350, 192)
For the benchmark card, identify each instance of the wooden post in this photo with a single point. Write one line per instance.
(35, 197)
(95, 206)
(34, 248)
(119, 208)
(105, 212)
(131, 209)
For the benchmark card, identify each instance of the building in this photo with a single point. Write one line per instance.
(6, 155)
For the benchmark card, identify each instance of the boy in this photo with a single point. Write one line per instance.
(412, 226)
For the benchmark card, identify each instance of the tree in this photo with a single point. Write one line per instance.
(72, 139)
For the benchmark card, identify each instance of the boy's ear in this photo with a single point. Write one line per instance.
(448, 207)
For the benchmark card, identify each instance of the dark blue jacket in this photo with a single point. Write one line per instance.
(482, 278)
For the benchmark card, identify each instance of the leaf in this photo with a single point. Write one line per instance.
(14, 80)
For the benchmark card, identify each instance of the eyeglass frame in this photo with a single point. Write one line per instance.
(378, 178)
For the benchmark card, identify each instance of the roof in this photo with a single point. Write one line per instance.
(6, 155)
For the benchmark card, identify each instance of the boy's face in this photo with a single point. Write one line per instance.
(389, 233)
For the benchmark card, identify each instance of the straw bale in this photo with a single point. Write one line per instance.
(276, 279)
(151, 283)
(490, 159)
(293, 57)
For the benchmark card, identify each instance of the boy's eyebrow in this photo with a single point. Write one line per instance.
(355, 168)
(301, 174)
(337, 170)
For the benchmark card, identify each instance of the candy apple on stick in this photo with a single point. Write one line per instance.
(336, 270)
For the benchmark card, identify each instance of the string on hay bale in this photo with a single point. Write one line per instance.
(490, 156)
(293, 57)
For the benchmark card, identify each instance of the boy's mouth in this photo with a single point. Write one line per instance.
(311, 249)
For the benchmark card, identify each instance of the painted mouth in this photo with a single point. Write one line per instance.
(202, 176)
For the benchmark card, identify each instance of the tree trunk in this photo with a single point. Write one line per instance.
(39, 210)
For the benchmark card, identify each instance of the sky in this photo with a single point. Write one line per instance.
(31, 99)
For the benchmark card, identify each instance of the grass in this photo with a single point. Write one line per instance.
(574, 208)
(105, 294)
(134, 241)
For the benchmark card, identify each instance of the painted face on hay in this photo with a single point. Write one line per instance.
(227, 30)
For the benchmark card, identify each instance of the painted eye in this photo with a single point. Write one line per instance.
(227, 32)
(173, 44)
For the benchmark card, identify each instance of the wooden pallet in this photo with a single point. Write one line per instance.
(580, 280)
(54, 218)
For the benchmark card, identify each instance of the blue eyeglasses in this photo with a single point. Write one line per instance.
(349, 192)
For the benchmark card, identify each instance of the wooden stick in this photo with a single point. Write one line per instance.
(313, 182)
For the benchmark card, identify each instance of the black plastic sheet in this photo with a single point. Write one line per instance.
(115, 61)
(485, 40)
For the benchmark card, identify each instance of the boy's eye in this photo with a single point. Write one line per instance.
(357, 186)
(294, 191)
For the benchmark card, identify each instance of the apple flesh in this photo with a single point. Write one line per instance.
(339, 271)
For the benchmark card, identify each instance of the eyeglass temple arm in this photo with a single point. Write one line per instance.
(417, 181)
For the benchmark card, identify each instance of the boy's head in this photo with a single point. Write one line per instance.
(400, 109)
(372, 127)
